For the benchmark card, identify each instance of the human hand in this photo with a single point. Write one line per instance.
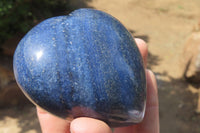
(52, 124)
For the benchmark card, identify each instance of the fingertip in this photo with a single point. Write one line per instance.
(143, 48)
(152, 91)
(140, 41)
(89, 125)
(151, 80)
(52, 124)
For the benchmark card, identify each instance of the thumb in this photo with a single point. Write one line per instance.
(89, 125)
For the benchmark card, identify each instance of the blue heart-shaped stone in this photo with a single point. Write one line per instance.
(83, 64)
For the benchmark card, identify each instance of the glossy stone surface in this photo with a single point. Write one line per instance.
(83, 64)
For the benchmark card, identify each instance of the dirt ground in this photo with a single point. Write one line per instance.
(165, 25)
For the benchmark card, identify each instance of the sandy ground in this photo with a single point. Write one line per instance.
(165, 26)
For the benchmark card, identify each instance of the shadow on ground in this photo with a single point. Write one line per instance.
(175, 95)
(20, 119)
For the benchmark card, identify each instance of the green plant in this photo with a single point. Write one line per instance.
(18, 16)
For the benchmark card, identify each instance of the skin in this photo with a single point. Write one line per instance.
(52, 124)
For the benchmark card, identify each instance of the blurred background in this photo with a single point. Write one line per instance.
(170, 27)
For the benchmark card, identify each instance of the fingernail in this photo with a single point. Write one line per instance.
(150, 76)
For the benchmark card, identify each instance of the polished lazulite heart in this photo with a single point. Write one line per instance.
(83, 64)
